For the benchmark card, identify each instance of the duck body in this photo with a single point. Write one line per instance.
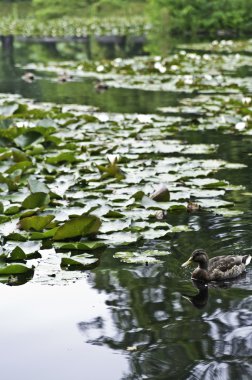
(217, 268)
(28, 77)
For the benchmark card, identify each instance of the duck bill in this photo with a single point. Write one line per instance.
(188, 262)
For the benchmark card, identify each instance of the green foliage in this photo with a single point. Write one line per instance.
(178, 18)
(201, 17)
(58, 8)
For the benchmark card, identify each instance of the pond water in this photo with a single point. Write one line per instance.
(132, 321)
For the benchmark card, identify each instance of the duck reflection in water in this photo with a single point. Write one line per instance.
(200, 299)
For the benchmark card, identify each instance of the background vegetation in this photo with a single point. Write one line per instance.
(176, 17)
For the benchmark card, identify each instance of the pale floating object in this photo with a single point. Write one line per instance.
(161, 195)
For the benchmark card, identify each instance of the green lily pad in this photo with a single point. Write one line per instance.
(85, 261)
(28, 138)
(36, 223)
(81, 226)
(85, 246)
(17, 254)
(14, 269)
(43, 235)
(23, 166)
(36, 200)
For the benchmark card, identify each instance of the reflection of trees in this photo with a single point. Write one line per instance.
(146, 312)
(149, 313)
(231, 332)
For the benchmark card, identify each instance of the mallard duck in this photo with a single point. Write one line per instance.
(101, 86)
(218, 268)
(28, 77)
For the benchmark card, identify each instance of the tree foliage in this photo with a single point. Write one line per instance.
(190, 17)
(58, 8)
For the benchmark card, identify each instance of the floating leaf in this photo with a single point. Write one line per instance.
(19, 156)
(111, 170)
(17, 254)
(113, 214)
(36, 200)
(62, 157)
(43, 235)
(85, 245)
(28, 138)
(85, 260)
(14, 209)
(146, 257)
(36, 223)
(161, 195)
(23, 166)
(15, 236)
(8, 109)
(14, 269)
(81, 226)
(37, 186)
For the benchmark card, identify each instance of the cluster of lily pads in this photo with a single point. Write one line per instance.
(183, 71)
(73, 27)
(222, 46)
(74, 180)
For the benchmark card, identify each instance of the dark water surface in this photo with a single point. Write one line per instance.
(131, 321)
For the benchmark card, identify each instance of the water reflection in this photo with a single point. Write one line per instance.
(78, 90)
(200, 299)
(147, 310)
(158, 329)
(231, 333)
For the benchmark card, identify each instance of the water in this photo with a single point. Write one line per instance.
(135, 322)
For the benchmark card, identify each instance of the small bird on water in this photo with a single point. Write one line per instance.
(217, 268)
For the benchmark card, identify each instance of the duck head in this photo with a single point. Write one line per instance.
(199, 256)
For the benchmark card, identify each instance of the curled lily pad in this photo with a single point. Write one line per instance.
(161, 195)
(112, 170)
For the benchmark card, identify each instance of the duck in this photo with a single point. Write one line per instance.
(217, 268)
(101, 86)
(65, 77)
(28, 77)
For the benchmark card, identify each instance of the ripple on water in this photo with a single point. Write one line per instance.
(231, 332)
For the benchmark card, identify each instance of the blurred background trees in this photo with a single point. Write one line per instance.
(176, 17)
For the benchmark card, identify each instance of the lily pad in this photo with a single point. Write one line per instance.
(85, 261)
(36, 223)
(146, 257)
(85, 246)
(36, 200)
(14, 269)
(17, 254)
(81, 226)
